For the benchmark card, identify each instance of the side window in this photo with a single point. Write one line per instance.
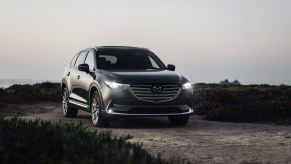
(81, 58)
(90, 60)
(73, 61)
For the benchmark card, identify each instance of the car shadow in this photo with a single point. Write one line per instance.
(141, 123)
(132, 122)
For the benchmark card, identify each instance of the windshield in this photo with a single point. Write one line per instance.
(128, 60)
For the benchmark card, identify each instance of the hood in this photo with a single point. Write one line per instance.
(152, 76)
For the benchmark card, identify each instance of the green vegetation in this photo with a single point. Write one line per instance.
(239, 103)
(44, 142)
(38, 92)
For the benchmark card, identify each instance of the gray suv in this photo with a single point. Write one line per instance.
(115, 81)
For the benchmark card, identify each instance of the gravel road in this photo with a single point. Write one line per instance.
(199, 142)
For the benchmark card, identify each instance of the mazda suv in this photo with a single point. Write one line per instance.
(115, 81)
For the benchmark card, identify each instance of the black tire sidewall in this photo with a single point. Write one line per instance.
(71, 112)
(102, 120)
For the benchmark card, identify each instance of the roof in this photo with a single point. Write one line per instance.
(104, 48)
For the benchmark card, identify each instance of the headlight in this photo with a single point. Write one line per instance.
(113, 85)
(187, 85)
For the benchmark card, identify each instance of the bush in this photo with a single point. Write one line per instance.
(46, 91)
(238, 103)
(44, 142)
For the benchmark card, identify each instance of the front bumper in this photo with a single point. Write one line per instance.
(122, 102)
(149, 110)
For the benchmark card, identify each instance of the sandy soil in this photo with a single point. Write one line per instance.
(199, 142)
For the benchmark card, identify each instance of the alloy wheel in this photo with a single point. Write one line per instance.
(95, 108)
(65, 102)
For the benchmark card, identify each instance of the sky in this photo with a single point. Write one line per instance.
(207, 40)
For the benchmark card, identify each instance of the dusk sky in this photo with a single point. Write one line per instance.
(207, 40)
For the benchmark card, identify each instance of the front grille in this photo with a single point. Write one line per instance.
(156, 92)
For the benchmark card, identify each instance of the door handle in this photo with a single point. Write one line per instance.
(78, 77)
(68, 74)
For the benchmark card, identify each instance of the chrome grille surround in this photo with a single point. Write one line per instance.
(145, 92)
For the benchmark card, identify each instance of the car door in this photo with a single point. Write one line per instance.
(75, 77)
(86, 78)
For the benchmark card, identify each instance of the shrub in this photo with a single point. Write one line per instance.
(238, 103)
(22, 93)
(44, 142)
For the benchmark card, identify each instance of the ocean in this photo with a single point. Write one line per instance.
(7, 82)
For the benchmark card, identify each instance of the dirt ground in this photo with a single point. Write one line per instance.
(199, 142)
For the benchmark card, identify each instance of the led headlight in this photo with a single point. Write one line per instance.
(187, 85)
(113, 85)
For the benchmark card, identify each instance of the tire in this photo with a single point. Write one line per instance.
(96, 111)
(67, 110)
(179, 120)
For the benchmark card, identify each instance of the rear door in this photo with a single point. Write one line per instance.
(68, 72)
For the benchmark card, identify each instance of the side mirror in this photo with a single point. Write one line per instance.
(83, 67)
(171, 67)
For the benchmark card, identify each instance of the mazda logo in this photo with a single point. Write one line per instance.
(157, 89)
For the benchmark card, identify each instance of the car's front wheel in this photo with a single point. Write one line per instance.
(179, 120)
(96, 112)
(67, 110)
